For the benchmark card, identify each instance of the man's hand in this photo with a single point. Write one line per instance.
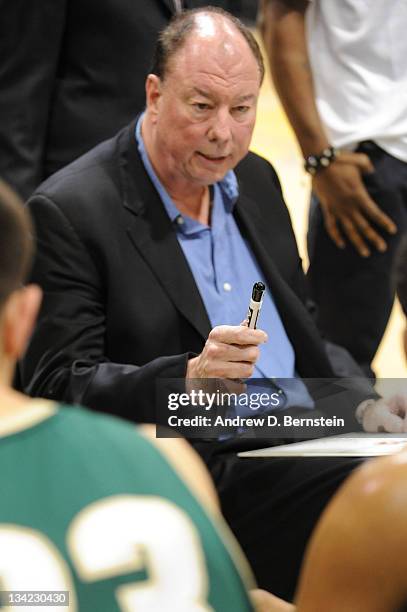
(384, 415)
(347, 206)
(266, 602)
(229, 352)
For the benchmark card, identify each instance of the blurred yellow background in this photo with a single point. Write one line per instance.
(274, 140)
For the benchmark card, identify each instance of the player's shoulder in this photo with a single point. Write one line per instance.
(95, 429)
(187, 464)
(90, 429)
(373, 500)
(379, 484)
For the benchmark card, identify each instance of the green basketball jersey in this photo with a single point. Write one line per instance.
(90, 506)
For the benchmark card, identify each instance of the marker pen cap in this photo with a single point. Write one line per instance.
(258, 290)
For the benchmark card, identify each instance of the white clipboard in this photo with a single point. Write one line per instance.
(346, 445)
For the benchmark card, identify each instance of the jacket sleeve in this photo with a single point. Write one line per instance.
(31, 36)
(66, 358)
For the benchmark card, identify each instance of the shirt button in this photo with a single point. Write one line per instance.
(227, 286)
(280, 392)
(180, 220)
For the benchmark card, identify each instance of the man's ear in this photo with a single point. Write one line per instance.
(20, 313)
(405, 340)
(153, 94)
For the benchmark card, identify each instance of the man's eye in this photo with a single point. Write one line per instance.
(201, 106)
(241, 110)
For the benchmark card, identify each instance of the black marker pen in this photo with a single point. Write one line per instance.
(255, 304)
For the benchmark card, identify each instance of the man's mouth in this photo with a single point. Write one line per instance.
(212, 158)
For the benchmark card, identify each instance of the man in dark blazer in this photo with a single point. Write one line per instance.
(122, 307)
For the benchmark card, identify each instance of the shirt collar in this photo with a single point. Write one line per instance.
(228, 185)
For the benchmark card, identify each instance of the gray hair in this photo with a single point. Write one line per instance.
(174, 36)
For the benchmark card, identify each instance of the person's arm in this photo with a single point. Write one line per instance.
(69, 359)
(347, 207)
(355, 561)
(30, 42)
(283, 30)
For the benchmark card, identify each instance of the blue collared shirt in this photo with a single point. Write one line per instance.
(225, 269)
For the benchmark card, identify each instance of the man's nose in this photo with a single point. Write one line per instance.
(220, 129)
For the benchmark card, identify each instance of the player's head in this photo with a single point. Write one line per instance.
(401, 282)
(18, 304)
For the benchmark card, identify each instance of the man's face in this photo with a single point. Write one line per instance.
(205, 109)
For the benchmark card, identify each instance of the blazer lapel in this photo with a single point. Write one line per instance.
(154, 237)
(152, 234)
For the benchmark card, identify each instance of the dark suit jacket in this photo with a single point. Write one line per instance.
(72, 74)
(121, 307)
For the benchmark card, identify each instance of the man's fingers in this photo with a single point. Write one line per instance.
(379, 417)
(229, 369)
(205, 366)
(347, 205)
(357, 229)
(229, 352)
(367, 230)
(393, 423)
(361, 160)
(354, 236)
(368, 207)
(219, 351)
(249, 353)
(237, 334)
(398, 405)
(332, 229)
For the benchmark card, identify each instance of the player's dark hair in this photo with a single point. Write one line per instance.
(16, 242)
(400, 273)
(174, 36)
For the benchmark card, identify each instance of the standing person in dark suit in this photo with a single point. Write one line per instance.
(147, 249)
(72, 74)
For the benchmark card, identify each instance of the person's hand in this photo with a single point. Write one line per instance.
(266, 602)
(229, 352)
(347, 206)
(383, 415)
